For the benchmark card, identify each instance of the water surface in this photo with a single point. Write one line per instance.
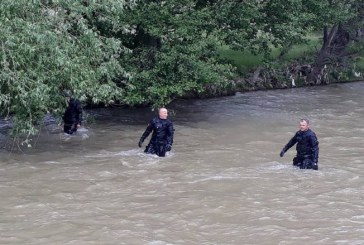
(223, 182)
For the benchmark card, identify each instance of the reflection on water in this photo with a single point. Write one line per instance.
(223, 182)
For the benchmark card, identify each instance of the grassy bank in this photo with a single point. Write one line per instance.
(345, 68)
(245, 61)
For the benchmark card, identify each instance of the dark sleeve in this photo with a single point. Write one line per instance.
(170, 134)
(148, 130)
(290, 143)
(314, 147)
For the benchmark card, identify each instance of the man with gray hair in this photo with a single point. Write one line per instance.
(307, 147)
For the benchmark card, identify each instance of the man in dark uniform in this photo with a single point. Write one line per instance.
(307, 147)
(162, 137)
(72, 117)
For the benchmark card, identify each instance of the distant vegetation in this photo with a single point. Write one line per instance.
(245, 60)
(147, 53)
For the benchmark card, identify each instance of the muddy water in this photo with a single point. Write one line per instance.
(223, 182)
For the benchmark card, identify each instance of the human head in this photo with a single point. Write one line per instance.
(304, 124)
(163, 113)
(67, 94)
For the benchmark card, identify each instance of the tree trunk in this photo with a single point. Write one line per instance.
(334, 44)
(317, 74)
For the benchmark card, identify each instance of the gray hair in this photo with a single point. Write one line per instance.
(305, 120)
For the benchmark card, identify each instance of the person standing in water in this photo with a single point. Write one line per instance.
(72, 116)
(307, 147)
(162, 137)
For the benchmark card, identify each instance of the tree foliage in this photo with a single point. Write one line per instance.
(48, 46)
(174, 51)
(139, 52)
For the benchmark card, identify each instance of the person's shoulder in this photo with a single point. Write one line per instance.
(154, 120)
(168, 121)
(75, 101)
(311, 132)
(164, 121)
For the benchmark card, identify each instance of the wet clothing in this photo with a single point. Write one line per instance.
(162, 137)
(72, 116)
(307, 149)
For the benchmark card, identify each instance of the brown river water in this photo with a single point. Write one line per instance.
(222, 183)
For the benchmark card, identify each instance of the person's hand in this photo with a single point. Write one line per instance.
(282, 153)
(140, 143)
(168, 147)
(78, 125)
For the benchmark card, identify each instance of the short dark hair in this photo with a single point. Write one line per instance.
(67, 93)
(305, 120)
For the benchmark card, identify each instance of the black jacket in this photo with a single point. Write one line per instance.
(307, 144)
(162, 131)
(73, 113)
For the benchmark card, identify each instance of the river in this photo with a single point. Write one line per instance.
(222, 183)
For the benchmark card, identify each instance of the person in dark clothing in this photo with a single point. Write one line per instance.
(307, 147)
(162, 137)
(72, 117)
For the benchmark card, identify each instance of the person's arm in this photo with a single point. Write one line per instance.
(170, 135)
(291, 143)
(315, 148)
(146, 133)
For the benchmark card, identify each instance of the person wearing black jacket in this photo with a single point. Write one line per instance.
(72, 117)
(307, 147)
(162, 137)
